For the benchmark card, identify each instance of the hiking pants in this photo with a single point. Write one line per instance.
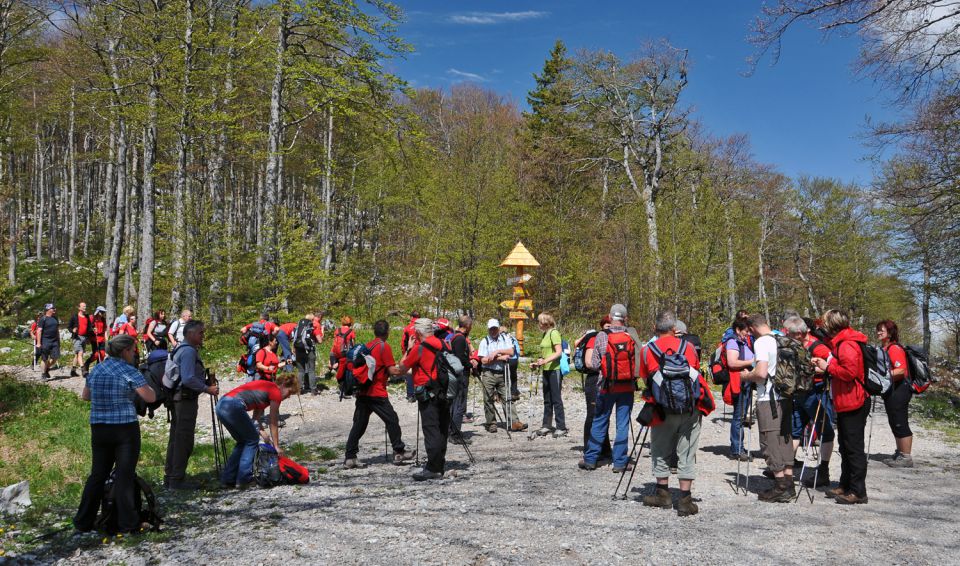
(678, 434)
(590, 388)
(896, 403)
(606, 403)
(97, 354)
(552, 401)
(183, 427)
(111, 445)
(495, 385)
(366, 405)
(775, 443)
(435, 422)
(233, 415)
(853, 463)
(306, 364)
(284, 342)
(805, 408)
(741, 404)
(458, 407)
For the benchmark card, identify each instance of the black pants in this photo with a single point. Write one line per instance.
(183, 427)
(853, 466)
(435, 422)
(552, 400)
(361, 418)
(591, 383)
(897, 403)
(514, 371)
(112, 445)
(458, 407)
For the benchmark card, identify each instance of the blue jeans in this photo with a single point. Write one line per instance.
(233, 414)
(606, 402)
(806, 407)
(409, 379)
(284, 341)
(740, 406)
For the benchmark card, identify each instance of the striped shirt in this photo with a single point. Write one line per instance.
(112, 384)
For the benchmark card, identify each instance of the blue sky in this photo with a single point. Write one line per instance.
(806, 115)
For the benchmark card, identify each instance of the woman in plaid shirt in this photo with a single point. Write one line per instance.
(114, 433)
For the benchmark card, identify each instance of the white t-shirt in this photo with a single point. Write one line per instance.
(765, 348)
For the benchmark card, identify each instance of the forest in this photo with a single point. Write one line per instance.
(234, 157)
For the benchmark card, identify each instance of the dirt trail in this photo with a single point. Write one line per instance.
(526, 502)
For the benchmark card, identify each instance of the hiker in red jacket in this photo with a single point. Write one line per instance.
(845, 369)
(897, 400)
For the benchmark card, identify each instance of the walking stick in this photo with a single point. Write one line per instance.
(463, 442)
(870, 439)
(749, 434)
(302, 418)
(386, 457)
(216, 443)
(644, 430)
(418, 435)
(508, 397)
(803, 469)
(497, 414)
(532, 434)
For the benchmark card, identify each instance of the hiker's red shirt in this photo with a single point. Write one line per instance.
(383, 355)
(898, 360)
(257, 394)
(269, 359)
(422, 361)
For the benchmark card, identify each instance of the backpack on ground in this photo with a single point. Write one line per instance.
(919, 367)
(876, 369)
(617, 363)
(303, 339)
(717, 367)
(106, 522)
(266, 466)
(794, 371)
(291, 472)
(449, 371)
(675, 385)
(580, 355)
(153, 369)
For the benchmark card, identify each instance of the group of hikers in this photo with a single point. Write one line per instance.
(806, 382)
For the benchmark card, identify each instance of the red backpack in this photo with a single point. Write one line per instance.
(292, 472)
(342, 342)
(618, 361)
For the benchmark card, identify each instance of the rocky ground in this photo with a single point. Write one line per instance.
(527, 502)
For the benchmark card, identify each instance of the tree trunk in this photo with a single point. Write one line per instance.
(269, 253)
(925, 304)
(180, 176)
(116, 244)
(148, 218)
(72, 156)
(328, 194)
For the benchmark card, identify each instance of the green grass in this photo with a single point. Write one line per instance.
(20, 351)
(45, 438)
(939, 409)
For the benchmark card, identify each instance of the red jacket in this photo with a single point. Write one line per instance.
(846, 371)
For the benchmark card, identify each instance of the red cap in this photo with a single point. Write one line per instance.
(443, 323)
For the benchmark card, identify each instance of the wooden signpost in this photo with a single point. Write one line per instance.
(521, 304)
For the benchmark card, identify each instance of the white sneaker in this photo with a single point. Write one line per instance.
(560, 432)
(544, 431)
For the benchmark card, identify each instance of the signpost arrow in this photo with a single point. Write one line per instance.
(518, 315)
(508, 305)
(520, 279)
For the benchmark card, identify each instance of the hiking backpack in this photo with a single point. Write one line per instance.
(920, 376)
(359, 372)
(876, 369)
(171, 373)
(342, 343)
(257, 331)
(153, 370)
(717, 367)
(617, 363)
(303, 338)
(675, 385)
(580, 355)
(106, 521)
(266, 466)
(449, 370)
(794, 372)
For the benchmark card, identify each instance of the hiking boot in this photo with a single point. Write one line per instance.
(351, 463)
(628, 467)
(850, 499)
(466, 420)
(243, 486)
(411, 399)
(584, 465)
(661, 498)
(822, 475)
(46, 376)
(73, 372)
(458, 438)
(782, 491)
(835, 492)
(490, 427)
(769, 475)
(686, 507)
(902, 461)
(401, 458)
(518, 426)
(544, 431)
(560, 433)
(425, 474)
(184, 485)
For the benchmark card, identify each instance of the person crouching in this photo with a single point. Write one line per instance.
(232, 411)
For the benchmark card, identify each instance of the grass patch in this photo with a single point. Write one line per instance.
(45, 438)
(939, 409)
(19, 354)
(301, 452)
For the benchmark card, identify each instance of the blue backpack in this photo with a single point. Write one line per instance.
(674, 386)
(580, 355)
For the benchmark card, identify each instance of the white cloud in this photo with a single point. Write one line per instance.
(487, 18)
(467, 76)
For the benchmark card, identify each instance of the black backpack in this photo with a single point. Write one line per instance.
(152, 371)
(580, 354)
(303, 339)
(920, 376)
(106, 522)
(449, 371)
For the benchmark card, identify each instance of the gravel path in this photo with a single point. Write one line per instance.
(526, 502)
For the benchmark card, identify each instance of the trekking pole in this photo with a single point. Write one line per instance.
(386, 457)
(639, 453)
(629, 459)
(463, 442)
(870, 439)
(750, 414)
(302, 418)
(418, 436)
(803, 469)
(508, 398)
(533, 433)
(497, 414)
(216, 444)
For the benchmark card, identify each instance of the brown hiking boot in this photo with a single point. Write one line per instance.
(401, 458)
(823, 477)
(782, 491)
(492, 427)
(839, 490)
(518, 426)
(661, 498)
(686, 507)
(850, 499)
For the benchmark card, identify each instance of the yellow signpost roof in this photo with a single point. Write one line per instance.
(520, 257)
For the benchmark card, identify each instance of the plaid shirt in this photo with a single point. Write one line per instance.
(112, 384)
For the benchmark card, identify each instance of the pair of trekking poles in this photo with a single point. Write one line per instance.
(219, 436)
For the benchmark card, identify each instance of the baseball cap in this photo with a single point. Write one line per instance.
(618, 312)
(680, 327)
(100, 309)
(493, 323)
(443, 323)
(48, 306)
